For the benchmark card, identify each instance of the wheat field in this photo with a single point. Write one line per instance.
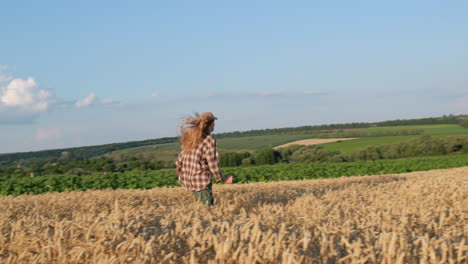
(315, 141)
(404, 218)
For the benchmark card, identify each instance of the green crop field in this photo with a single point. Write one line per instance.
(360, 143)
(279, 172)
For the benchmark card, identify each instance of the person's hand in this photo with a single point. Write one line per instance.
(228, 179)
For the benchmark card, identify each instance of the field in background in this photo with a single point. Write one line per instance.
(361, 143)
(168, 150)
(405, 218)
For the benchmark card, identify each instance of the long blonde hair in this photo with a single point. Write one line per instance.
(194, 129)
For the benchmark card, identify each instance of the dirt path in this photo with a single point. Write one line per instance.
(316, 141)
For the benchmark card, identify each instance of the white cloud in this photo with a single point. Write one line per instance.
(92, 99)
(19, 92)
(22, 101)
(88, 100)
(25, 94)
(155, 94)
(43, 94)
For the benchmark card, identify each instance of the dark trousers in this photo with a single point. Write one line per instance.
(205, 196)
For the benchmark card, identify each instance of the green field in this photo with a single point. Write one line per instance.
(360, 143)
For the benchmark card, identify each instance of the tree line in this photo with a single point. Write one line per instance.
(363, 133)
(422, 121)
(78, 153)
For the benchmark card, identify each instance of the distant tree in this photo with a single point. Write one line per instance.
(109, 167)
(266, 156)
(285, 154)
(311, 153)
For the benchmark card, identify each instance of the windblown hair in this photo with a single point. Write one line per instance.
(194, 129)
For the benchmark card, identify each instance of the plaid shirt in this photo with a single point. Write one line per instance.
(196, 168)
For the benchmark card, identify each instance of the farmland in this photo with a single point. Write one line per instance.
(406, 218)
(270, 141)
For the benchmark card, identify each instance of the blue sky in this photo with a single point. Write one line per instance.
(76, 73)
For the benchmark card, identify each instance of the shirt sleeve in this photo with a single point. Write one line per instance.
(212, 159)
(179, 164)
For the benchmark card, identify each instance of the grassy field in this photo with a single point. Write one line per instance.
(354, 144)
(405, 218)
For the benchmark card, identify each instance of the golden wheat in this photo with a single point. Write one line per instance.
(406, 218)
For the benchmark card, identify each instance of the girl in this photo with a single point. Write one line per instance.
(198, 162)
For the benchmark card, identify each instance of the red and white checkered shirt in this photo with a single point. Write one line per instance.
(196, 167)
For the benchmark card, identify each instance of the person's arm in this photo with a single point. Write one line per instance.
(212, 159)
